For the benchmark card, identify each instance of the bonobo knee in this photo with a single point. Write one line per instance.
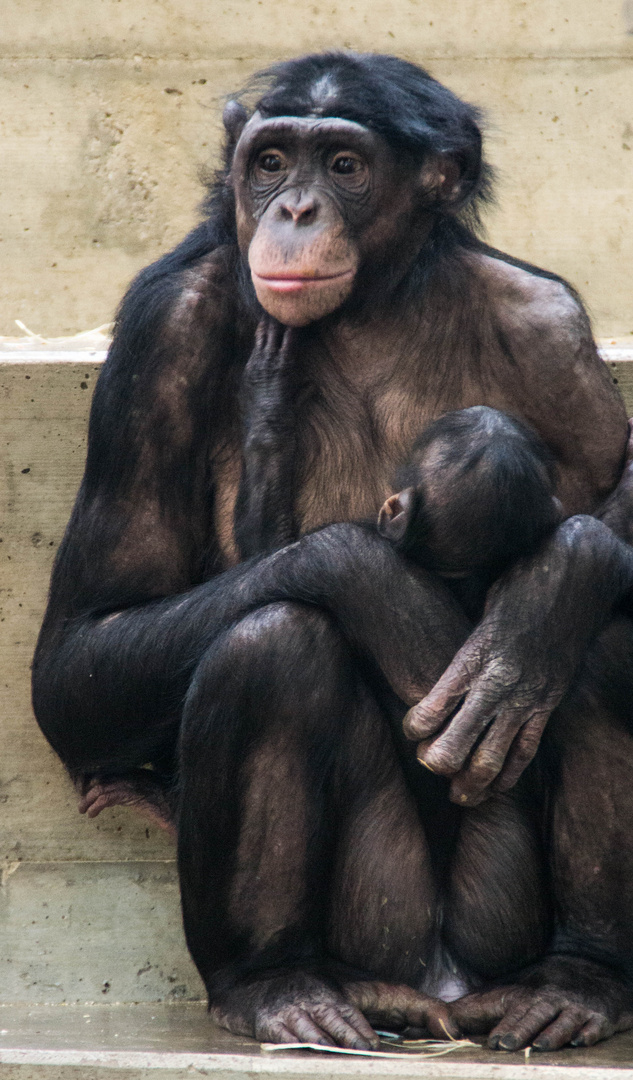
(280, 669)
(283, 631)
(282, 647)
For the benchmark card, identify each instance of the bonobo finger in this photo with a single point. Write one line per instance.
(277, 1032)
(268, 338)
(439, 1021)
(521, 752)
(592, 1032)
(349, 1028)
(473, 784)
(514, 1034)
(261, 332)
(87, 800)
(274, 337)
(475, 1014)
(448, 752)
(429, 715)
(361, 1025)
(564, 1028)
(304, 1029)
(287, 341)
(95, 800)
(102, 803)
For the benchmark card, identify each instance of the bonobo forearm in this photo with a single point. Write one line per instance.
(399, 615)
(617, 511)
(521, 659)
(264, 518)
(568, 591)
(264, 511)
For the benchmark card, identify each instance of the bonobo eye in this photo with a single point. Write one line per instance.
(346, 164)
(271, 161)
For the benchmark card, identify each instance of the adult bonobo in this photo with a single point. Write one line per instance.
(324, 873)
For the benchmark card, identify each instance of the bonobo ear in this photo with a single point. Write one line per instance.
(234, 118)
(395, 514)
(449, 181)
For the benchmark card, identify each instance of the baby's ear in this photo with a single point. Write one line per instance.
(395, 514)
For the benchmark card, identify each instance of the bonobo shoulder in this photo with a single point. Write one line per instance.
(530, 305)
(204, 291)
(555, 378)
(174, 302)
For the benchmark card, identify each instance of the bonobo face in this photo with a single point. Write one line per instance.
(316, 198)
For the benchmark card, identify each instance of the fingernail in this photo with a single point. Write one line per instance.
(541, 1044)
(508, 1042)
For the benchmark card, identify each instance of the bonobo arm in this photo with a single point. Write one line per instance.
(264, 511)
(504, 683)
(617, 510)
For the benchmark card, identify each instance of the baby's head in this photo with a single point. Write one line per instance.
(477, 494)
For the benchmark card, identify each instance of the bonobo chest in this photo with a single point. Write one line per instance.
(360, 405)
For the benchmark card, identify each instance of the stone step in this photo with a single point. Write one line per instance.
(170, 1042)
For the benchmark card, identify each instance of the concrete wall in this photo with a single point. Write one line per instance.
(89, 910)
(108, 108)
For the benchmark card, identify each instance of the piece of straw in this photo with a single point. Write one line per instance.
(426, 1048)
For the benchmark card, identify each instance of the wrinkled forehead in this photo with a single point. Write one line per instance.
(310, 131)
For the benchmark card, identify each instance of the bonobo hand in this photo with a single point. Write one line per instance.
(264, 512)
(267, 374)
(497, 694)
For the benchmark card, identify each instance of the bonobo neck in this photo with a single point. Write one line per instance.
(398, 283)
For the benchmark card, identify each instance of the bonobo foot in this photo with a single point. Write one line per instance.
(564, 1000)
(139, 788)
(294, 1007)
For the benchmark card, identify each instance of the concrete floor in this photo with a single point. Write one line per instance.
(101, 1042)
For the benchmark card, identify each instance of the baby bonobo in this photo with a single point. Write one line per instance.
(477, 494)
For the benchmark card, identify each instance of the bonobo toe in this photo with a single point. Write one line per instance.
(547, 1016)
(399, 1006)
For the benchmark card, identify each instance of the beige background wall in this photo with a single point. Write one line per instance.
(109, 107)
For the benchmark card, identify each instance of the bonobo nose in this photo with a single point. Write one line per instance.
(302, 210)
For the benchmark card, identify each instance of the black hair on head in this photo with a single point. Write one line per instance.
(415, 113)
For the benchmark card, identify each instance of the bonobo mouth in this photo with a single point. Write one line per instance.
(298, 282)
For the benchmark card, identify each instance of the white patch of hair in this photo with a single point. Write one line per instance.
(323, 93)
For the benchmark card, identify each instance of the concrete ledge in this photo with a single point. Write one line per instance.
(27, 353)
(179, 1040)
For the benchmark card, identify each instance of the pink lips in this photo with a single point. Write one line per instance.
(297, 282)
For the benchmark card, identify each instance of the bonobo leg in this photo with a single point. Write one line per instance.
(302, 861)
(581, 991)
(108, 691)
